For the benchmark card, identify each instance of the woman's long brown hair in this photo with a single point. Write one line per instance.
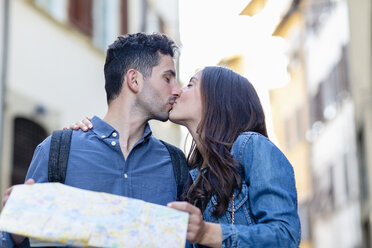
(230, 107)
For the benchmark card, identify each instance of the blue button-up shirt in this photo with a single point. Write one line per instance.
(96, 163)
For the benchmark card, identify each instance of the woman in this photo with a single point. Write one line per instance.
(241, 182)
(241, 191)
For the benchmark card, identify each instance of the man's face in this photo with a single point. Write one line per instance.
(160, 90)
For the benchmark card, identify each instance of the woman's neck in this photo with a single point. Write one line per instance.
(195, 136)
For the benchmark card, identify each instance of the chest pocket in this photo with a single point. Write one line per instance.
(242, 212)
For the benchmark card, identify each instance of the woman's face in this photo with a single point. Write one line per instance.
(187, 110)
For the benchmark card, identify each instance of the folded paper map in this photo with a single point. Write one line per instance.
(55, 212)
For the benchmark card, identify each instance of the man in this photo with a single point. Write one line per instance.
(120, 155)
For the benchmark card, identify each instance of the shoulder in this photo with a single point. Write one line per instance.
(44, 146)
(78, 135)
(251, 137)
(259, 156)
(39, 163)
(251, 140)
(87, 140)
(251, 146)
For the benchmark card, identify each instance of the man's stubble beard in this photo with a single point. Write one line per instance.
(153, 111)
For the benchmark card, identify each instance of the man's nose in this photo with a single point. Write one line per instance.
(176, 90)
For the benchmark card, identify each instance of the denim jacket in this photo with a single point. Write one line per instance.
(265, 212)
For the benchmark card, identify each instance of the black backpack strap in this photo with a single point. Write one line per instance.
(58, 155)
(180, 168)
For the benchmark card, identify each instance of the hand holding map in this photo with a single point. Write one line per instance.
(58, 213)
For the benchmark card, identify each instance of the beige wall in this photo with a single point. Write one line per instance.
(54, 64)
(49, 65)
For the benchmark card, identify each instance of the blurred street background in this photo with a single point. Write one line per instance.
(310, 61)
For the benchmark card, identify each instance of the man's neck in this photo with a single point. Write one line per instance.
(130, 126)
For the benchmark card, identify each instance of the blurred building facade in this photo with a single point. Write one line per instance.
(287, 109)
(335, 55)
(335, 207)
(55, 64)
(291, 114)
(360, 50)
(321, 116)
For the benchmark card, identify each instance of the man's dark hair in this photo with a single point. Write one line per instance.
(138, 51)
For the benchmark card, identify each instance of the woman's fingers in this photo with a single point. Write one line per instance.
(87, 123)
(84, 125)
(195, 228)
(30, 181)
(184, 206)
(73, 126)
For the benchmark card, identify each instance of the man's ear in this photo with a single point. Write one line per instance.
(132, 77)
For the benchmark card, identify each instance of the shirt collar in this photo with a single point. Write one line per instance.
(101, 128)
(104, 130)
(194, 173)
(147, 131)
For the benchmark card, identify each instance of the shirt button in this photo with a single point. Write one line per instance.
(103, 136)
(125, 175)
(113, 143)
(114, 134)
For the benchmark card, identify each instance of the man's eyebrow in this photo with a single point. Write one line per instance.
(173, 73)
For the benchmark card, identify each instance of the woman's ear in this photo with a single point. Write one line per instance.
(132, 80)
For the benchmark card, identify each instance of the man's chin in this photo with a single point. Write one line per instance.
(162, 118)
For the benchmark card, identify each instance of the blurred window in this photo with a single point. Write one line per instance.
(102, 21)
(316, 105)
(331, 190)
(80, 15)
(107, 18)
(343, 73)
(366, 232)
(332, 90)
(363, 173)
(56, 9)
(124, 16)
(346, 175)
(323, 201)
(318, 12)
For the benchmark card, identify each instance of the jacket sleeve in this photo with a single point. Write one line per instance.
(38, 170)
(272, 198)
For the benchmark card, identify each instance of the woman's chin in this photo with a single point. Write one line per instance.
(173, 118)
